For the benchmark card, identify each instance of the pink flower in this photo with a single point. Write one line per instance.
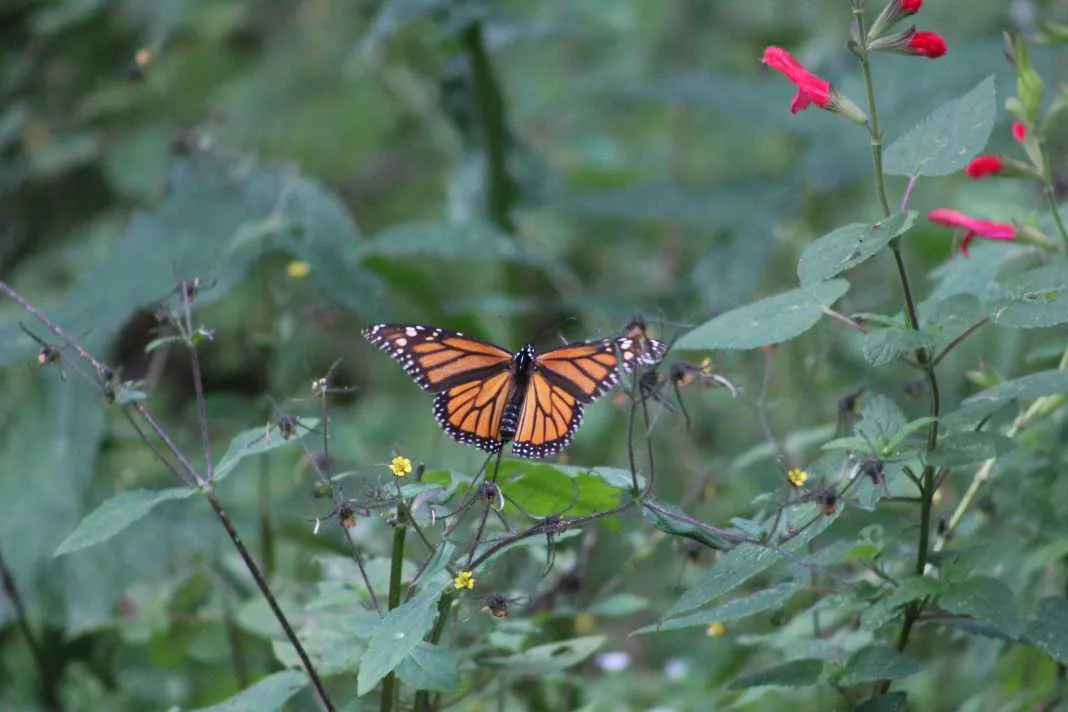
(927, 44)
(1019, 131)
(973, 226)
(983, 166)
(810, 88)
(910, 7)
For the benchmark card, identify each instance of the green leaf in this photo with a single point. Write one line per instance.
(1048, 630)
(673, 521)
(1037, 298)
(549, 658)
(1035, 385)
(893, 702)
(965, 448)
(117, 513)
(886, 608)
(880, 420)
(877, 662)
(396, 636)
(768, 321)
(796, 673)
(743, 607)
(619, 604)
(895, 441)
(256, 441)
(269, 694)
(985, 598)
(430, 667)
(849, 246)
(540, 490)
(944, 142)
(741, 564)
(883, 346)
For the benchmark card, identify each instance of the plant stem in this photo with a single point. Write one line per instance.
(490, 109)
(1051, 195)
(422, 697)
(389, 684)
(49, 694)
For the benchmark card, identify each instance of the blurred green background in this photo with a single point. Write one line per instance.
(514, 169)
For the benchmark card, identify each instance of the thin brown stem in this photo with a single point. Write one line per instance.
(958, 341)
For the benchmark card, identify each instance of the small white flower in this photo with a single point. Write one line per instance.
(613, 661)
(676, 668)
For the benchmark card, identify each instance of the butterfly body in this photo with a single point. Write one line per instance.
(487, 396)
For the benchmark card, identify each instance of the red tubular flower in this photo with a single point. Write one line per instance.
(927, 44)
(1019, 131)
(810, 88)
(973, 226)
(983, 166)
(910, 7)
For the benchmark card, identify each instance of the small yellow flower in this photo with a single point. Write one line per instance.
(797, 476)
(464, 579)
(706, 365)
(585, 623)
(401, 466)
(715, 629)
(298, 269)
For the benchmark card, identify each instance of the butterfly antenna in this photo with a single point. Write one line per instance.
(555, 326)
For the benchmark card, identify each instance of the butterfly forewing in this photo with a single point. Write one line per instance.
(437, 359)
(590, 369)
(475, 381)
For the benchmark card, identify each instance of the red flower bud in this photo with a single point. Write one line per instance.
(910, 7)
(983, 166)
(1019, 131)
(974, 227)
(927, 44)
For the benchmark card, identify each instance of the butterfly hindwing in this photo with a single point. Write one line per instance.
(476, 383)
(437, 359)
(548, 420)
(471, 412)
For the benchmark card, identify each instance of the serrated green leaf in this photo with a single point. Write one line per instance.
(549, 658)
(1035, 385)
(396, 636)
(117, 513)
(944, 142)
(769, 321)
(1048, 630)
(796, 673)
(269, 694)
(965, 448)
(886, 608)
(430, 667)
(893, 442)
(743, 607)
(877, 662)
(883, 346)
(987, 599)
(880, 420)
(741, 564)
(1033, 299)
(256, 441)
(849, 246)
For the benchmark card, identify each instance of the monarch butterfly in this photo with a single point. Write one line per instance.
(487, 396)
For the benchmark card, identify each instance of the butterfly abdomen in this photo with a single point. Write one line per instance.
(522, 367)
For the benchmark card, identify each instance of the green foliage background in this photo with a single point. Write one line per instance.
(499, 167)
